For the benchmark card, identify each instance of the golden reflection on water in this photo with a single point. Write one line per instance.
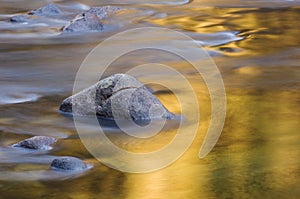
(257, 154)
(264, 29)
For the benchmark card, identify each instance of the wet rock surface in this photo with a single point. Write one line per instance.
(119, 96)
(68, 164)
(37, 143)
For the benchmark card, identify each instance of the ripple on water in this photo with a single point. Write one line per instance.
(15, 98)
(42, 174)
(32, 165)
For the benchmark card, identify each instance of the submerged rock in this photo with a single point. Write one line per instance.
(68, 164)
(84, 23)
(37, 142)
(119, 96)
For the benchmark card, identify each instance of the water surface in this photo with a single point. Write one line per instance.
(255, 44)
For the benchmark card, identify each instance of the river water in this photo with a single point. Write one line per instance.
(255, 45)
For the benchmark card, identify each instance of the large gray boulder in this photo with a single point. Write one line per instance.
(118, 97)
(37, 143)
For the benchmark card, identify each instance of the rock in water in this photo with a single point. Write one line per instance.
(103, 12)
(37, 142)
(119, 96)
(19, 18)
(50, 10)
(85, 22)
(68, 164)
(90, 21)
(47, 11)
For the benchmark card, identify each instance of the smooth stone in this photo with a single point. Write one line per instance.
(49, 10)
(37, 143)
(119, 96)
(84, 23)
(68, 164)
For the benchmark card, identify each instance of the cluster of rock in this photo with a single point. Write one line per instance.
(118, 97)
(90, 20)
(59, 163)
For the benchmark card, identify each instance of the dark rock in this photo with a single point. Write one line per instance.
(37, 142)
(84, 23)
(119, 96)
(49, 10)
(68, 164)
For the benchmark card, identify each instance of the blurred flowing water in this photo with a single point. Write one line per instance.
(255, 44)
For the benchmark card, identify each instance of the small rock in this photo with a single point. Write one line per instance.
(68, 164)
(37, 142)
(119, 96)
(19, 18)
(84, 23)
(103, 12)
(49, 10)
(90, 21)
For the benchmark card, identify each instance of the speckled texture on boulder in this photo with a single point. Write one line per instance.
(37, 142)
(119, 96)
(84, 23)
(68, 164)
